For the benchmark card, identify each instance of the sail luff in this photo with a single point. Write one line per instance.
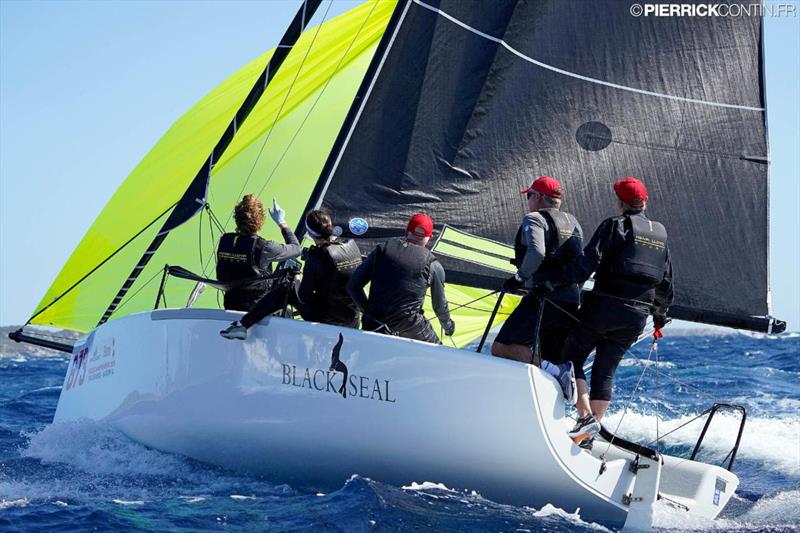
(360, 100)
(194, 198)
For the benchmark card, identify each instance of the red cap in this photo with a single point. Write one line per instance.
(545, 185)
(631, 191)
(420, 225)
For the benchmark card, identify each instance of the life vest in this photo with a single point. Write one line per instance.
(400, 279)
(563, 244)
(642, 257)
(238, 258)
(338, 260)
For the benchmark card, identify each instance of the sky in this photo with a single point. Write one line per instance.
(87, 88)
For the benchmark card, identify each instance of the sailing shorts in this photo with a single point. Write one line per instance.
(520, 327)
(609, 326)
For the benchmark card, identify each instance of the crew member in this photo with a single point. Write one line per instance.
(547, 240)
(400, 271)
(321, 295)
(633, 278)
(244, 255)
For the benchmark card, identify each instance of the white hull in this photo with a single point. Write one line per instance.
(412, 412)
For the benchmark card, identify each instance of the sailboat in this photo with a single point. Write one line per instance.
(447, 107)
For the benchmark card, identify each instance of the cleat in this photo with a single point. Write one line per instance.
(586, 428)
(566, 378)
(234, 332)
(587, 444)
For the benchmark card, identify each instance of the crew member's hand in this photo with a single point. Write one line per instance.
(277, 213)
(659, 321)
(512, 284)
(543, 289)
(448, 327)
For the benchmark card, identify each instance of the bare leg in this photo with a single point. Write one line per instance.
(515, 352)
(583, 405)
(599, 408)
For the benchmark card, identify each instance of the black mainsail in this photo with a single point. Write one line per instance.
(474, 99)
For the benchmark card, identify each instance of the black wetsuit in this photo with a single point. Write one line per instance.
(633, 278)
(546, 241)
(400, 274)
(241, 257)
(321, 295)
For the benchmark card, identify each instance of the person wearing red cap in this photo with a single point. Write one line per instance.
(400, 272)
(629, 257)
(546, 241)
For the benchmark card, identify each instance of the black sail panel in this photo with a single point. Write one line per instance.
(458, 121)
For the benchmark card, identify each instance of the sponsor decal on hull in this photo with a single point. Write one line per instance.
(91, 363)
(338, 379)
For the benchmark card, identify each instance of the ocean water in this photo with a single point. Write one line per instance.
(86, 475)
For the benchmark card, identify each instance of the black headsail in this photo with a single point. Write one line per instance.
(474, 99)
(194, 199)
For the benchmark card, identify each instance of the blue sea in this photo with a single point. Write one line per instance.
(86, 475)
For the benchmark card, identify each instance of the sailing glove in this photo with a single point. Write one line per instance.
(513, 284)
(448, 327)
(277, 213)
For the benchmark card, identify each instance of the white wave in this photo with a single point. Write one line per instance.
(239, 497)
(128, 502)
(575, 518)
(633, 361)
(427, 485)
(98, 448)
(772, 442)
(7, 504)
(780, 511)
(782, 508)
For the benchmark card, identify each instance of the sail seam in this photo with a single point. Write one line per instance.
(573, 74)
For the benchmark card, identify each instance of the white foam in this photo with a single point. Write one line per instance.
(7, 504)
(575, 518)
(98, 448)
(633, 361)
(773, 442)
(128, 502)
(427, 485)
(239, 497)
(782, 508)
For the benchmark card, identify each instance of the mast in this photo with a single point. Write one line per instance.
(194, 199)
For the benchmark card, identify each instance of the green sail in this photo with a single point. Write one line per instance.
(166, 171)
(279, 151)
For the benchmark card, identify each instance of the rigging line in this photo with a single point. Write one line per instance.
(283, 104)
(673, 430)
(101, 263)
(316, 100)
(200, 243)
(546, 66)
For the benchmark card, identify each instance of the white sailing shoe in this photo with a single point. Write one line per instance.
(234, 332)
(566, 378)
